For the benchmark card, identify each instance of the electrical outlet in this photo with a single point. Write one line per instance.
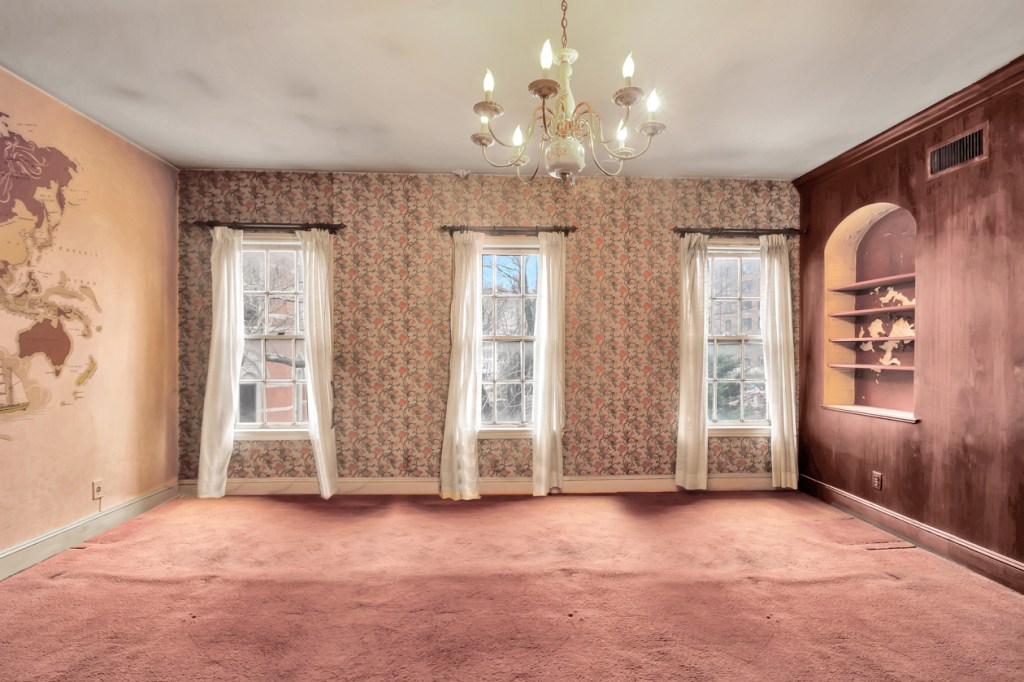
(97, 490)
(876, 480)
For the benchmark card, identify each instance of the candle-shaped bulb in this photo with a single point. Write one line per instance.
(488, 85)
(653, 102)
(546, 57)
(627, 70)
(517, 137)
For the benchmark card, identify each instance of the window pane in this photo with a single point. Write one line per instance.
(253, 271)
(724, 318)
(528, 359)
(750, 318)
(254, 312)
(711, 362)
(509, 403)
(728, 396)
(755, 402)
(281, 270)
(528, 399)
(509, 317)
(487, 362)
(487, 404)
(280, 403)
(300, 360)
(300, 282)
(750, 277)
(279, 359)
(508, 361)
(531, 316)
(728, 365)
(281, 314)
(488, 275)
(302, 413)
(249, 403)
(725, 276)
(712, 417)
(532, 263)
(508, 274)
(252, 360)
(753, 360)
(299, 315)
(487, 306)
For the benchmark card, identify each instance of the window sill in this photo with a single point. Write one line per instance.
(271, 434)
(739, 430)
(505, 433)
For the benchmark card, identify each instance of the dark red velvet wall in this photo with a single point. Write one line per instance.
(961, 468)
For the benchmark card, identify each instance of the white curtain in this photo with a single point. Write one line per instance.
(549, 365)
(459, 469)
(318, 267)
(221, 403)
(779, 363)
(692, 440)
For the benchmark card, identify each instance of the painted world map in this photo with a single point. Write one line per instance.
(42, 314)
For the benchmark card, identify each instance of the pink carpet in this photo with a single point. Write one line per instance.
(628, 587)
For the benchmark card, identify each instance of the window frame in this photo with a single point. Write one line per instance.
(507, 245)
(734, 248)
(252, 431)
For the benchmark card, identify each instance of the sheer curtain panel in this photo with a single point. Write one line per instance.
(221, 403)
(779, 363)
(318, 266)
(459, 468)
(692, 440)
(549, 365)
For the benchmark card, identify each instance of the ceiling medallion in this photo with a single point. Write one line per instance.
(563, 126)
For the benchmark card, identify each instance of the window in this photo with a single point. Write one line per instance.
(736, 379)
(509, 312)
(272, 385)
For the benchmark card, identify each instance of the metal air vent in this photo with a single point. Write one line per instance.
(951, 155)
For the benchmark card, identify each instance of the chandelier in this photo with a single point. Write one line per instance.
(563, 126)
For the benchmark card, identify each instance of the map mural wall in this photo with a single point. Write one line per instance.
(87, 315)
(393, 295)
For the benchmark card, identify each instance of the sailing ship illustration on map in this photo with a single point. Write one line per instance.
(12, 396)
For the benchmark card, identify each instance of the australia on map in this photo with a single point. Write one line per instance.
(42, 315)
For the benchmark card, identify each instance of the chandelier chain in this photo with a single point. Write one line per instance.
(565, 23)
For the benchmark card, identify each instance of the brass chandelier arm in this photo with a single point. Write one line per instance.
(509, 164)
(536, 166)
(597, 161)
(537, 115)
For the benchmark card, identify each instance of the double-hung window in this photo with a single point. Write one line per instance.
(508, 317)
(272, 385)
(736, 375)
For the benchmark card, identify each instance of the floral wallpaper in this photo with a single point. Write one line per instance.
(393, 292)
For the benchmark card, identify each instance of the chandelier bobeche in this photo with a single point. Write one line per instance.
(565, 125)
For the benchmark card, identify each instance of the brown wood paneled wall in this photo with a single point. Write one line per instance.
(960, 470)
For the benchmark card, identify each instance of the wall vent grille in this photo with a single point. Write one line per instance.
(956, 153)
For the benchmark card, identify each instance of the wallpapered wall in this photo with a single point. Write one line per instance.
(391, 311)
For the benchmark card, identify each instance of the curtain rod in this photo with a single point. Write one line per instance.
(726, 232)
(507, 231)
(330, 227)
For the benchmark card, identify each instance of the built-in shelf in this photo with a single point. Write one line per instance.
(870, 339)
(869, 284)
(868, 411)
(885, 368)
(890, 310)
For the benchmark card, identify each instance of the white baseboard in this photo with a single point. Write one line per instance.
(521, 485)
(31, 552)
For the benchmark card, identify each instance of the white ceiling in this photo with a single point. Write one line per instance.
(750, 88)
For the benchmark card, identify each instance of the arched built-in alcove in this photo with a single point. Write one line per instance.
(870, 300)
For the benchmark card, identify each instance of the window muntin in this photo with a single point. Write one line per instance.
(736, 380)
(508, 319)
(272, 385)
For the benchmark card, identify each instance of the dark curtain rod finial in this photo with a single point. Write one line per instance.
(743, 232)
(507, 231)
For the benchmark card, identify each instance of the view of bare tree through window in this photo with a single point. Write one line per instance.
(272, 387)
(736, 390)
(509, 307)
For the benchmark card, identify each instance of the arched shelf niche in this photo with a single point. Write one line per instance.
(870, 299)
